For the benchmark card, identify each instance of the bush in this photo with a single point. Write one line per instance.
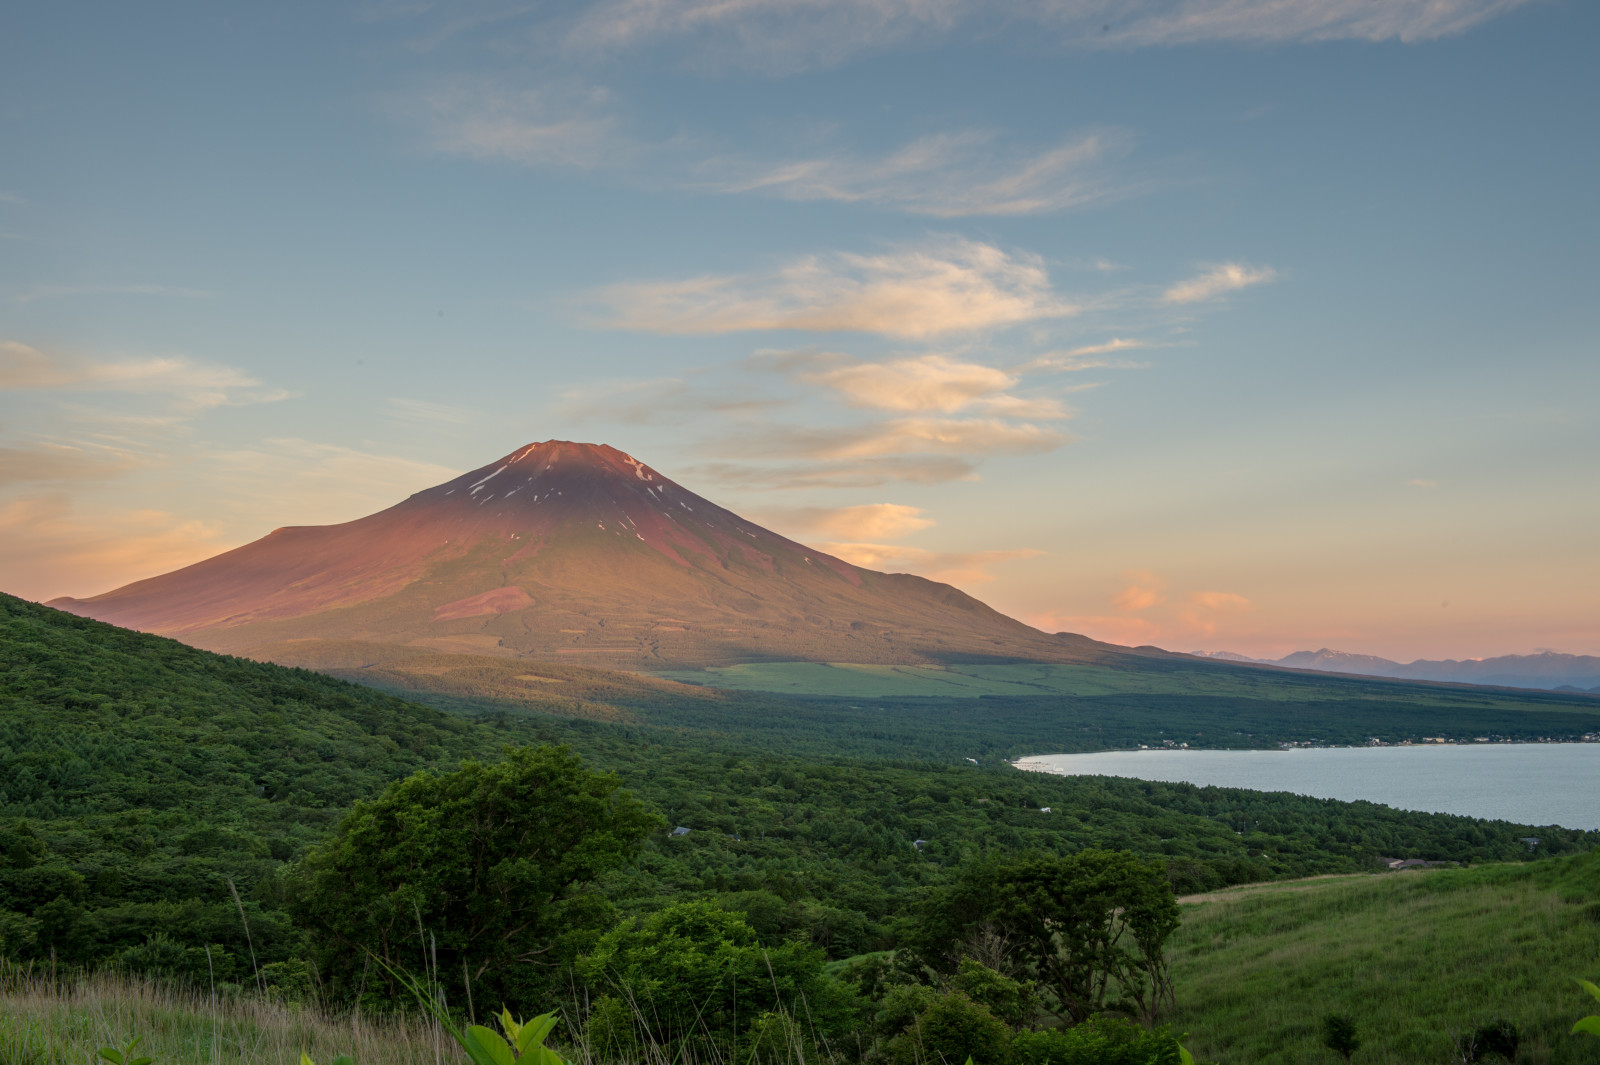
(950, 1030)
(1097, 1041)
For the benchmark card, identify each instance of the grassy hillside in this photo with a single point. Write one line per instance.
(1413, 957)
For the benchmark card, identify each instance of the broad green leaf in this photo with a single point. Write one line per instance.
(140, 1061)
(344, 1059)
(1588, 1024)
(305, 1059)
(1184, 1056)
(1591, 988)
(534, 1032)
(489, 1042)
(113, 1056)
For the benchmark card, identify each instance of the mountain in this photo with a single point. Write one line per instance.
(574, 552)
(1546, 670)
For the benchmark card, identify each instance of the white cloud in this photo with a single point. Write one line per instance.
(941, 287)
(484, 119)
(188, 384)
(856, 473)
(288, 480)
(778, 37)
(1216, 281)
(945, 175)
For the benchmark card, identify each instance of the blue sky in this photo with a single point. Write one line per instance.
(1219, 323)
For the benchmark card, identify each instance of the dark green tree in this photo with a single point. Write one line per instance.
(483, 876)
(1339, 1035)
(694, 974)
(1090, 928)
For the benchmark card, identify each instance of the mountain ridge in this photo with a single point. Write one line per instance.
(1544, 671)
(569, 549)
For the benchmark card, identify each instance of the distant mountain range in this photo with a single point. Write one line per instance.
(1548, 670)
(568, 552)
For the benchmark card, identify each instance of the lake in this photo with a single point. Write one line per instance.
(1528, 783)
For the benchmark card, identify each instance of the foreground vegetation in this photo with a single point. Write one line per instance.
(1418, 959)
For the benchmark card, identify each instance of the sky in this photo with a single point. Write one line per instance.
(1247, 325)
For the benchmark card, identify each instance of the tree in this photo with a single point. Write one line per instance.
(695, 972)
(482, 876)
(1085, 927)
(1339, 1035)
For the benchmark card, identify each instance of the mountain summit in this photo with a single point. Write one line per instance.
(568, 549)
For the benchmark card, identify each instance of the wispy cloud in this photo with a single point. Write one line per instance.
(658, 400)
(487, 119)
(946, 175)
(867, 521)
(926, 383)
(957, 568)
(778, 37)
(47, 462)
(49, 548)
(1144, 590)
(188, 383)
(421, 412)
(859, 473)
(48, 292)
(943, 286)
(1218, 280)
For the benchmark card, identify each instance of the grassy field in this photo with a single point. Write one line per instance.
(1413, 957)
(46, 1022)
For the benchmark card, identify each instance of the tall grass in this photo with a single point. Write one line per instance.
(1415, 958)
(45, 1020)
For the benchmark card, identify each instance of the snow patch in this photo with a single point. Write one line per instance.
(496, 473)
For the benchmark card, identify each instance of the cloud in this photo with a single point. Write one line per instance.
(483, 119)
(45, 292)
(48, 548)
(423, 413)
(778, 37)
(1216, 281)
(868, 521)
(930, 382)
(901, 436)
(52, 463)
(943, 286)
(287, 480)
(1205, 610)
(945, 175)
(1144, 590)
(958, 568)
(872, 473)
(189, 384)
(661, 399)
(1418, 482)
(1127, 631)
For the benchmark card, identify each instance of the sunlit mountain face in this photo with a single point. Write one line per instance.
(575, 551)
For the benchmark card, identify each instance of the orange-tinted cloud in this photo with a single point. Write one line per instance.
(1144, 590)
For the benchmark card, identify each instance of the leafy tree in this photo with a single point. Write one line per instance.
(1339, 1035)
(951, 1030)
(1084, 926)
(485, 874)
(693, 972)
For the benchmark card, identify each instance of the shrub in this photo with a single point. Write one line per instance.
(1097, 1041)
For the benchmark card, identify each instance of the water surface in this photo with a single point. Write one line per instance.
(1528, 783)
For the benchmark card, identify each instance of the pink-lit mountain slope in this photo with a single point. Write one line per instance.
(569, 552)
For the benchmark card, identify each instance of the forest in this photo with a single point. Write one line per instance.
(170, 812)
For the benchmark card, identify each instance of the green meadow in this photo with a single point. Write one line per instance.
(1416, 958)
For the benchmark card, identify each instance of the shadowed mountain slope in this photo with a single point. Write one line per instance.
(569, 551)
